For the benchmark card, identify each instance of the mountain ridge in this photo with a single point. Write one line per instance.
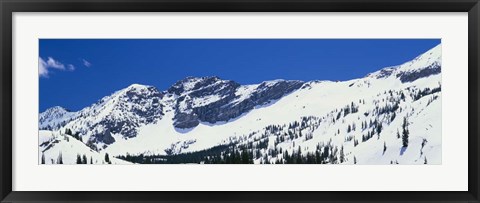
(203, 103)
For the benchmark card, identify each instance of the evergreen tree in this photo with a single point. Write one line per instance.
(77, 136)
(384, 147)
(317, 156)
(393, 117)
(107, 159)
(60, 158)
(286, 157)
(342, 155)
(299, 155)
(379, 129)
(238, 158)
(245, 157)
(68, 131)
(265, 159)
(84, 159)
(333, 155)
(405, 133)
(79, 159)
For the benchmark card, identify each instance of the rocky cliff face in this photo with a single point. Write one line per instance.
(124, 112)
(210, 99)
(411, 76)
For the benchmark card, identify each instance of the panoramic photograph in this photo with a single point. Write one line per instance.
(240, 101)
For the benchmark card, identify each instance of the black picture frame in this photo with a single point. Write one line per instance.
(7, 7)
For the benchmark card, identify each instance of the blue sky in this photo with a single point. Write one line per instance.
(74, 73)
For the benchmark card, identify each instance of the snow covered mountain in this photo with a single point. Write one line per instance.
(55, 117)
(391, 116)
(193, 100)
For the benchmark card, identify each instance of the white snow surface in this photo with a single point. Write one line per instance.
(244, 92)
(202, 101)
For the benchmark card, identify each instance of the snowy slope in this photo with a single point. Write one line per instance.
(122, 112)
(410, 91)
(55, 144)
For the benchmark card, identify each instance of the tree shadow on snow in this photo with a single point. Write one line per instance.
(402, 150)
(183, 130)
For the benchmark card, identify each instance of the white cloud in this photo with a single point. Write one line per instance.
(86, 63)
(52, 63)
(44, 66)
(71, 67)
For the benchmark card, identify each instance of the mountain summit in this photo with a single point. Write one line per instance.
(429, 63)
